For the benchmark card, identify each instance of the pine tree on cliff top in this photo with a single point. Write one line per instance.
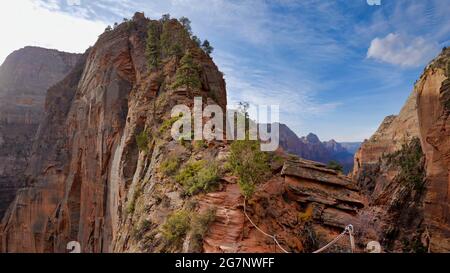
(187, 74)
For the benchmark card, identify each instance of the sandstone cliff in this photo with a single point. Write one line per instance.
(404, 169)
(25, 77)
(102, 170)
(433, 103)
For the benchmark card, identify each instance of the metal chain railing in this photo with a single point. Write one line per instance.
(348, 230)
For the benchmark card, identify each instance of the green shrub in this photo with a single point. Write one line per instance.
(169, 166)
(198, 176)
(176, 227)
(132, 203)
(334, 165)
(143, 140)
(207, 48)
(249, 164)
(410, 160)
(200, 225)
(167, 124)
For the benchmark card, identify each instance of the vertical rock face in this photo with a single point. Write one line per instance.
(404, 169)
(434, 119)
(394, 132)
(25, 77)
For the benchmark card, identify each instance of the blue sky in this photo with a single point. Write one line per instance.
(336, 68)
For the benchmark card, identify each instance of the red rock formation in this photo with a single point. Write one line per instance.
(305, 207)
(25, 77)
(86, 156)
(407, 216)
(434, 119)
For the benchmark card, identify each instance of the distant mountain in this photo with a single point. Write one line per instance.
(312, 148)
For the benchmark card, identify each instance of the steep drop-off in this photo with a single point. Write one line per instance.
(25, 77)
(404, 169)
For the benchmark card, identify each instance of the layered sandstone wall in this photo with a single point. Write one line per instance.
(25, 77)
(404, 168)
(434, 122)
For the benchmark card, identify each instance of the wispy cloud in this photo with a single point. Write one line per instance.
(404, 51)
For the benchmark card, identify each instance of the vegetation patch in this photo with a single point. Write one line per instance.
(143, 140)
(140, 229)
(200, 145)
(153, 48)
(168, 123)
(176, 227)
(249, 164)
(199, 226)
(334, 165)
(188, 74)
(170, 166)
(410, 160)
(131, 205)
(198, 176)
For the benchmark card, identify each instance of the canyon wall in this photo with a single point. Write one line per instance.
(25, 77)
(404, 169)
(434, 122)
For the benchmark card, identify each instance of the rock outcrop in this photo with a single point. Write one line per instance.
(305, 205)
(25, 77)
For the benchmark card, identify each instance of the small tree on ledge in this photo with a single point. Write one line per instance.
(206, 46)
(187, 74)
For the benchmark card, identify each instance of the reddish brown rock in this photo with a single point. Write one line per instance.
(434, 119)
(25, 77)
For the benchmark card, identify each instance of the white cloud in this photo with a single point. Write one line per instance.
(403, 50)
(25, 23)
